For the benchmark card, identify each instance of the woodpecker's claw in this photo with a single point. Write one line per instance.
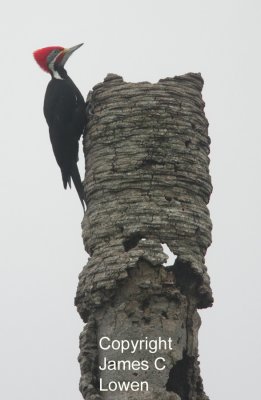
(88, 108)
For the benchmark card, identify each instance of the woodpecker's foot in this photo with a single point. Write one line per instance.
(88, 108)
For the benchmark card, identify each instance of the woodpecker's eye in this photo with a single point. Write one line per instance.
(55, 53)
(51, 57)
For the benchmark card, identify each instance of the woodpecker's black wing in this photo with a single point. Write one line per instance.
(64, 110)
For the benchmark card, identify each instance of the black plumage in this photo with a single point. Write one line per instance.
(64, 110)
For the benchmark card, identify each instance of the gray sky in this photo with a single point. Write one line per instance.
(41, 246)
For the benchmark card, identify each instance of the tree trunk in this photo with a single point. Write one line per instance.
(147, 183)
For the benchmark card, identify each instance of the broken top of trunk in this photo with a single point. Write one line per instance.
(147, 183)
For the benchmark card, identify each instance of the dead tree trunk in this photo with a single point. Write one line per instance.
(147, 183)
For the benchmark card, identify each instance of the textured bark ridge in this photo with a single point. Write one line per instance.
(147, 183)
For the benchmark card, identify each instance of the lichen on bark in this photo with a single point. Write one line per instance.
(147, 183)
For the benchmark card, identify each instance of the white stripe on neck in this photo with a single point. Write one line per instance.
(56, 75)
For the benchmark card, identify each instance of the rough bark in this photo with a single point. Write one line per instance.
(147, 183)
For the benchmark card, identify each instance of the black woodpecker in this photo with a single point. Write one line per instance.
(65, 113)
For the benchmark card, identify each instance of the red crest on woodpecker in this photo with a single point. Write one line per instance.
(41, 55)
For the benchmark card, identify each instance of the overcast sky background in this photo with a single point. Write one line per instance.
(41, 246)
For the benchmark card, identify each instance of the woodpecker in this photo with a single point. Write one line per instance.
(64, 110)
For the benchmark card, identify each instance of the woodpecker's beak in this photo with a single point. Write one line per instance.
(68, 52)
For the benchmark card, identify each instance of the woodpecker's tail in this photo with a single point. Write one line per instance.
(78, 185)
